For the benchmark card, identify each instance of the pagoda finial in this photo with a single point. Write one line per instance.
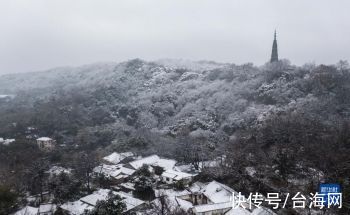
(274, 54)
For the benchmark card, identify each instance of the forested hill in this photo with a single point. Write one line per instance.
(199, 98)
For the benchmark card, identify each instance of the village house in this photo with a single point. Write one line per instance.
(172, 176)
(46, 143)
(89, 202)
(212, 198)
(116, 173)
(153, 161)
(119, 173)
(200, 199)
(127, 187)
(116, 158)
(211, 193)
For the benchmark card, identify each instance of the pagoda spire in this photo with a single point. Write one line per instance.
(274, 54)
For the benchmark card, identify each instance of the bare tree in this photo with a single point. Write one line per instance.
(84, 165)
(163, 206)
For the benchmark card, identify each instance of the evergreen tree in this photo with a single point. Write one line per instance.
(7, 200)
(113, 205)
(144, 183)
(64, 188)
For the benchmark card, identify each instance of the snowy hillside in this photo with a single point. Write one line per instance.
(171, 97)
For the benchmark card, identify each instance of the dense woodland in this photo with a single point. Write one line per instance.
(291, 123)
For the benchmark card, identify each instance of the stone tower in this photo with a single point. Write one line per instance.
(274, 54)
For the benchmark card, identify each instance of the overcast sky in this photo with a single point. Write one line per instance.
(37, 35)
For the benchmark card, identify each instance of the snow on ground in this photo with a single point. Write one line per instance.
(250, 171)
(56, 170)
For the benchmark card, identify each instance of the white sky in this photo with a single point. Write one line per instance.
(41, 34)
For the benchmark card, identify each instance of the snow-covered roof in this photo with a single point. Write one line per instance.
(166, 164)
(115, 157)
(130, 201)
(256, 211)
(47, 208)
(219, 195)
(185, 205)
(153, 160)
(137, 164)
(214, 191)
(98, 195)
(121, 176)
(44, 139)
(170, 192)
(217, 192)
(76, 208)
(6, 141)
(127, 171)
(262, 211)
(196, 187)
(212, 207)
(128, 185)
(88, 202)
(28, 210)
(176, 175)
(113, 170)
(238, 211)
(189, 168)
